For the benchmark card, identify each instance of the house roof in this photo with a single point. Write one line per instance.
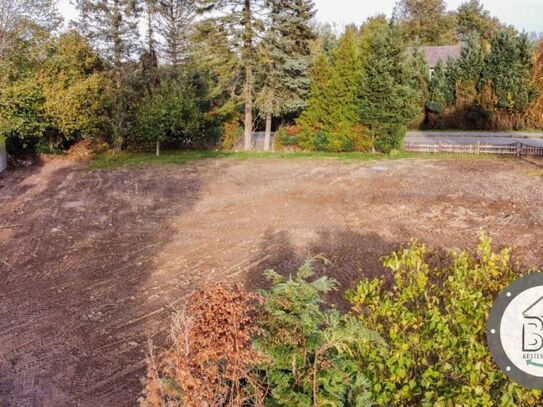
(434, 54)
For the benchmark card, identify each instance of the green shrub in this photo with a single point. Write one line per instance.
(287, 135)
(433, 320)
(312, 354)
(389, 137)
(341, 138)
(170, 113)
(232, 134)
(21, 111)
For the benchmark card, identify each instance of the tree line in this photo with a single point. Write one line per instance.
(207, 73)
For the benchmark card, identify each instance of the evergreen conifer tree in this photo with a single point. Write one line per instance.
(388, 100)
(330, 120)
(286, 52)
(437, 101)
(470, 65)
(508, 70)
(175, 24)
(238, 22)
(112, 26)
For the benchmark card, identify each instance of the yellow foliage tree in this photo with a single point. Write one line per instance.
(535, 112)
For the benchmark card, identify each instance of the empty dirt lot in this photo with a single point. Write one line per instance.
(92, 263)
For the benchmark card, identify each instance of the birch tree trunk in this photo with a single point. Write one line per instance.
(248, 55)
(267, 133)
(248, 122)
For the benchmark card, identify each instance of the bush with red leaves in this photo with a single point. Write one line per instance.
(212, 358)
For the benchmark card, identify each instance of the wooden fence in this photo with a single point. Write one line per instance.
(518, 149)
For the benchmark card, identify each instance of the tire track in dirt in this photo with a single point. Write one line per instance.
(98, 261)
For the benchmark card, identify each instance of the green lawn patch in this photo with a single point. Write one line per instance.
(124, 158)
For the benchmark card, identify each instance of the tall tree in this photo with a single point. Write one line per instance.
(25, 31)
(471, 62)
(286, 52)
(330, 119)
(175, 25)
(238, 21)
(438, 90)
(149, 56)
(388, 98)
(536, 107)
(112, 26)
(72, 82)
(473, 18)
(21, 20)
(426, 21)
(508, 70)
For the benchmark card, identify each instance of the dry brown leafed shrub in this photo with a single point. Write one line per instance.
(210, 362)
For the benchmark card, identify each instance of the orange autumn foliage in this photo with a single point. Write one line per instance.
(212, 358)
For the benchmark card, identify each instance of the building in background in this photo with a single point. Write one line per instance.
(434, 54)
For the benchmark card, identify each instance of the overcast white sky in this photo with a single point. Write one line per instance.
(524, 14)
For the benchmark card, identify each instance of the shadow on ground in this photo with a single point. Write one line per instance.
(351, 257)
(75, 296)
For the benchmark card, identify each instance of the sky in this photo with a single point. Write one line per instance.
(525, 15)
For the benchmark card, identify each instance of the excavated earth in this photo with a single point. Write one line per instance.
(92, 263)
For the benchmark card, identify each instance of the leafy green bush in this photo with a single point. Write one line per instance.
(311, 353)
(170, 113)
(389, 137)
(341, 138)
(287, 135)
(302, 355)
(231, 134)
(433, 320)
(21, 111)
(73, 84)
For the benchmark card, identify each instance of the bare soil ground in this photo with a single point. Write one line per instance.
(92, 263)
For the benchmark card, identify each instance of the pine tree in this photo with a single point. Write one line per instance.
(175, 25)
(470, 65)
(329, 122)
(388, 100)
(112, 26)
(149, 56)
(238, 23)
(286, 51)
(508, 70)
(418, 76)
(437, 100)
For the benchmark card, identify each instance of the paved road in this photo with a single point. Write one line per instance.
(450, 137)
